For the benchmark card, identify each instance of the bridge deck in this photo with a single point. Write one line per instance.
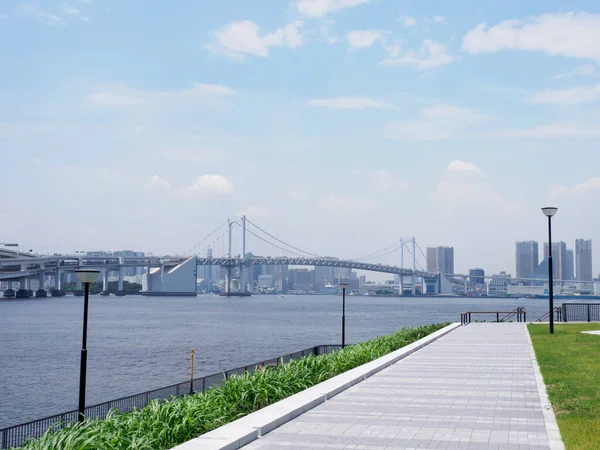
(475, 388)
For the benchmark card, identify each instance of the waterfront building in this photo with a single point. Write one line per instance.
(527, 257)
(570, 265)
(477, 276)
(583, 249)
(171, 279)
(265, 281)
(498, 284)
(440, 259)
(559, 259)
(301, 280)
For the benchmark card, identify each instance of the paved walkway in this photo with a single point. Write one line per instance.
(473, 389)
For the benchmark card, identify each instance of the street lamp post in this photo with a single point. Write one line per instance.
(550, 211)
(344, 286)
(86, 277)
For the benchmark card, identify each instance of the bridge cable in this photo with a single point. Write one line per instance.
(279, 240)
(375, 254)
(213, 232)
(275, 245)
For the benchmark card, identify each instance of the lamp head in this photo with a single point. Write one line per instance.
(549, 211)
(87, 276)
(343, 285)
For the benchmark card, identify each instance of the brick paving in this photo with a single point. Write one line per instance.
(475, 388)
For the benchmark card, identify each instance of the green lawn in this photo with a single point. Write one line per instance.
(570, 364)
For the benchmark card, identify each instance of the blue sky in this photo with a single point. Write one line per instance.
(338, 125)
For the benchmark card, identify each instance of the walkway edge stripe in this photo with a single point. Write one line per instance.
(241, 432)
(554, 438)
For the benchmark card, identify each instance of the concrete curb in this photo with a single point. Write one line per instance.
(241, 432)
(554, 439)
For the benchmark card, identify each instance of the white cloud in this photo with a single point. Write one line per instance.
(569, 96)
(345, 203)
(460, 197)
(65, 8)
(463, 167)
(569, 34)
(591, 185)
(387, 182)
(240, 38)
(554, 130)
(439, 19)
(4, 16)
(408, 21)
(119, 96)
(299, 196)
(71, 11)
(437, 122)
(211, 184)
(253, 211)
(584, 69)
(156, 183)
(432, 54)
(364, 38)
(349, 103)
(320, 8)
(36, 12)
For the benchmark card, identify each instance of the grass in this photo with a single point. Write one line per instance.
(163, 425)
(570, 365)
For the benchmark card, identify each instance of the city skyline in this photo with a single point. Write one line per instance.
(339, 126)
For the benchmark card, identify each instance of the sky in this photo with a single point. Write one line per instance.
(339, 126)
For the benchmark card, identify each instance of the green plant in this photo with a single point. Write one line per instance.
(164, 425)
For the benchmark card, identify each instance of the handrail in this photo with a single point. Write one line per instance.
(516, 311)
(465, 317)
(16, 435)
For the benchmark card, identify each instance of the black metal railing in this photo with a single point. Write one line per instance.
(17, 435)
(494, 316)
(579, 312)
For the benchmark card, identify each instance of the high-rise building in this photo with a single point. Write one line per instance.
(477, 276)
(570, 265)
(583, 250)
(440, 259)
(527, 257)
(432, 265)
(559, 259)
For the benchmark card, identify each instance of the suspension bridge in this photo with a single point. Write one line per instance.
(226, 246)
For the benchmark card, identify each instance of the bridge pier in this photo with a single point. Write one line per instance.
(105, 283)
(120, 292)
(57, 291)
(23, 291)
(41, 292)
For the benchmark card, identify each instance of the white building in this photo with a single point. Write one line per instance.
(171, 279)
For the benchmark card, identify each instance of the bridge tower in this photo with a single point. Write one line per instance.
(244, 266)
(401, 287)
(414, 265)
(228, 275)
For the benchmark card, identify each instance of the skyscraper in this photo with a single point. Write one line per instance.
(432, 265)
(440, 259)
(559, 259)
(527, 257)
(583, 251)
(570, 265)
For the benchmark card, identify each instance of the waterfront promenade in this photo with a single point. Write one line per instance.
(478, 387)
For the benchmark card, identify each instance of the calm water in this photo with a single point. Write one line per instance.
(140, 343)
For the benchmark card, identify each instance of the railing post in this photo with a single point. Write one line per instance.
(589, 316)
(203, 384)
(524, 316)
(497, 317)
(469, 317)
